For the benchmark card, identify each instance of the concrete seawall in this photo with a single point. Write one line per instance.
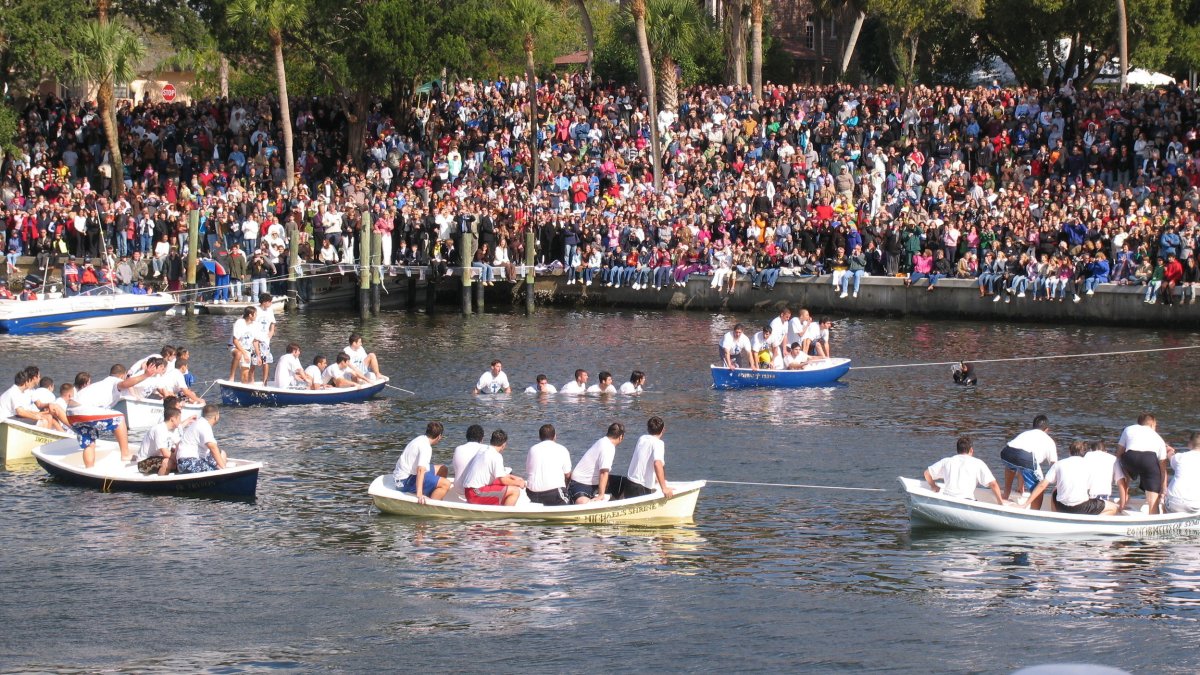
(953, 298)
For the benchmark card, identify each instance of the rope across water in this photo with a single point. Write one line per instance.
(1027, 358)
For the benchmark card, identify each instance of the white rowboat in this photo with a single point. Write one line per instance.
(927, 508)
(19, 438)
(651, 509)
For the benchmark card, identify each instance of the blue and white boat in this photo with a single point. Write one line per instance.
(820, 374)
(239, 394)
(102, 309)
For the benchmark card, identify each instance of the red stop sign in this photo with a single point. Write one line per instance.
(168, 92)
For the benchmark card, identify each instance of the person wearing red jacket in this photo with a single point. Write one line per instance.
(1172, 275)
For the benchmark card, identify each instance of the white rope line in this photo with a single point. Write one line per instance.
(798, 485)
(1027, 358)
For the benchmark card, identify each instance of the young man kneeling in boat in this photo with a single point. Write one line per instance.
(415, 472)
(646, 467)
(289, 372)
(154, 456)
(198, 450)
(1072, 478)
(590, 479)
(485, 479)
(343, 374)
(962, 473)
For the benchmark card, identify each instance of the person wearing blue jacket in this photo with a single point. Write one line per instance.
(1076, 232)
(1097, 271)
(1169, 242)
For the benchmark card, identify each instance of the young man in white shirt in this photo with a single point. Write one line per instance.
(494, 381)
(765, 345)
(415, 472)
(590, 479)
(102, 394)
(962, 473)
(243, 346)
(604, 386)
(634, 386)
(647, 470)
(264, 328)
(17, 402)
(735, 350)
(154, 455)
(548, 467)
(1025, 455)
(290, 374)
(198, 450)
(316, 373)
(343, 374)
(542, 386)
(464, 453)
(1183, 492)
(362, 360)
(578, 385)
(485, 479)
(1072, 480)
(1142, 454)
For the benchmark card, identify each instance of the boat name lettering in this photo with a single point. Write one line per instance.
(756, 375)
(1167, 528)
(609, 515)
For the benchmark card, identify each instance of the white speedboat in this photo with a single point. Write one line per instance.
(143, 413)
(651, 509)
(927, 508)
(64, 460)
(18, 439)
(104, 308)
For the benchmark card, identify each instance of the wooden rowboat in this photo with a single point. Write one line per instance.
(927, 508)
(64, 461)
(651, 509)
(820, 374)
(18, 439)
(238, 394)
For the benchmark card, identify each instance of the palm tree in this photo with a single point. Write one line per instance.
(757, 7)
(1123, 43)
(672, 27)
(646, 72)
(275, 18)
(589, 35)
(859, 7)
(735, 41)
(531, 17)
(105, 53)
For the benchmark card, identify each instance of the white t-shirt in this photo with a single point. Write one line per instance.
(492, 384)
(734, 345)
(789, 359)
(961, 474)
(596, 389)
(40, 396)
(546, 466)
(12, 399)
(333, 372)
(780, 327)
(243, 334)
(358, 358)
(550, 389)
(797, 329)
(1105, 472)
(262, 325)
(1139, 438)
(1037, 443)
(598, 458)
(484, 468)
(761, 341)
(140, 365)
(173, 381)
(573, 387)
(418, 452)
(1183, 492)
(649, 449)
(157, 438)
(195, 440)
(463, 455)
(148, 386)
(285, 371)
(631, 388)
(1072, 478)
(316, 374)
(102, 394)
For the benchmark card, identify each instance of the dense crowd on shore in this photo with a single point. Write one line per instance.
(1041, 193)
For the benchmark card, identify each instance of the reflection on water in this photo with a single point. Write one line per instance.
(314, 577)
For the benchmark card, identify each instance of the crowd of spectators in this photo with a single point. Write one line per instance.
(1034, 193)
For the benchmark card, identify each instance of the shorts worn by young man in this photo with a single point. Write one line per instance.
(1142, 454)
(1025, 454)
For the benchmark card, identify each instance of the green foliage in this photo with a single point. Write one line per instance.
(36, 35)
(675, 28)
(106, 52)
(8, 129)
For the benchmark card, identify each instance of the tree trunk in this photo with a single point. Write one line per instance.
(646, 74)
(589, 35)
(1123, 43)
(106, 107)
(285, 111)
(358, 126)
(848, 55)
(735, 43)
(756, 46)
(669, 81)
(531, 91)
(224, 77)
(1089, 74)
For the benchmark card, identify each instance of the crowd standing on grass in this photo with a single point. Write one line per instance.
(1036, 193)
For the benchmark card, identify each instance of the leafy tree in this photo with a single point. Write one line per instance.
(33, 39)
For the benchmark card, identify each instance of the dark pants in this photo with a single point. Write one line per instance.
(555, 497)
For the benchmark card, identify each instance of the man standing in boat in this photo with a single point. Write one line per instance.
(647, 470)
(264, 329)
(1142, 454)
(1025, 454)
(962, 473)
(1073, 479)
(415, 472)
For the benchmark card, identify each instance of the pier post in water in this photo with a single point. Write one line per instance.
(364, 267)
(193, 244)
(431, 289)
(468, 254)
(376, 271)
(293, 234)
(530, 256)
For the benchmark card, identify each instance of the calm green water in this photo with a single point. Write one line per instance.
(310, 577)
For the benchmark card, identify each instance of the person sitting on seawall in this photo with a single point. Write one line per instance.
(591, 479)
(647, 470)
(1183, 492)
(548, 466)
(155, 454)
(634, 386)
(464, 453)
(578, 385)
(857, 262)
(541, 386)
(343, 374)
(290, 372)
(486, 481)
(415, 472)
(604, 386)
(1024, 456)
(198, 450)
(962, 473)
(493, 381)
(964, 374)
(1072, 480)
(1142, 454)
(362, 360)
(735, 349)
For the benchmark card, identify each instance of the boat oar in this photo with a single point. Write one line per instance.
(399, 389)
